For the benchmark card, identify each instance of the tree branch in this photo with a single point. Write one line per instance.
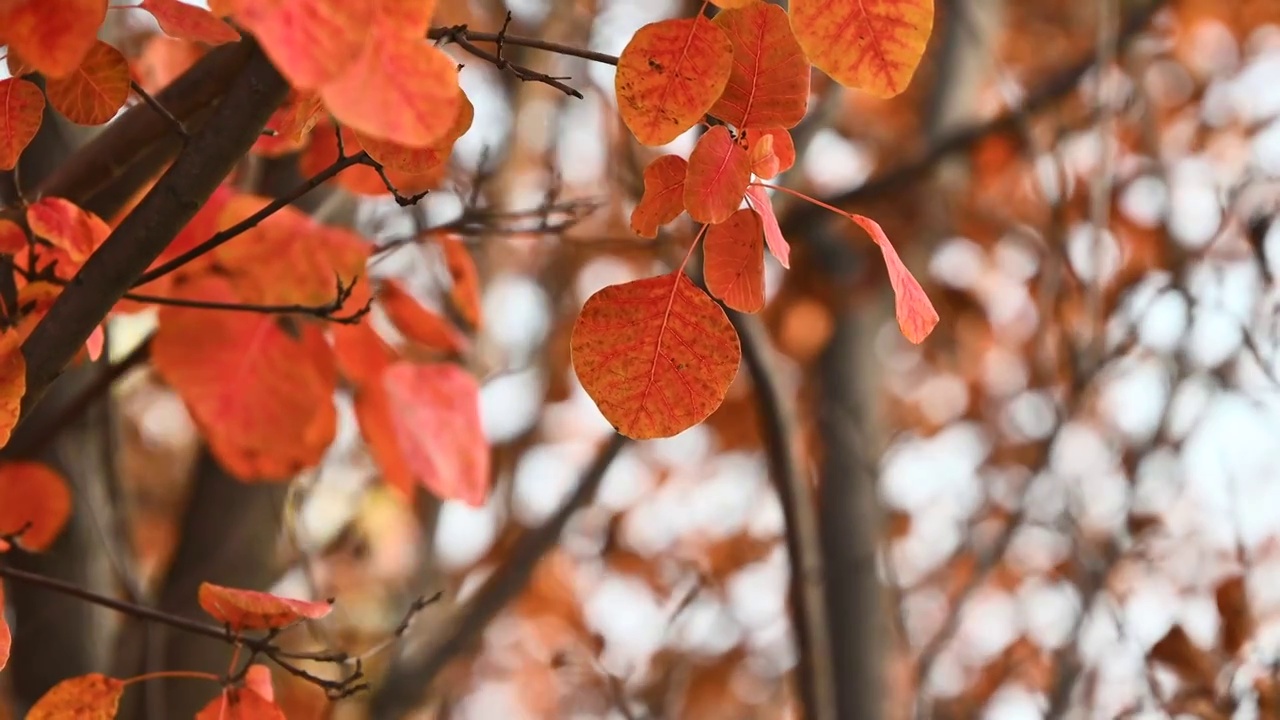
(463, 32)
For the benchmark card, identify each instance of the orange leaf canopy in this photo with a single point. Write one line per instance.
(240, 704)
(669, 75)
(870, 45)
(769, 84)
(734, 261)
(656, 355)
(260, 387)
(663, 199)
(719, 172)
(91, 697)
(21, 109)
(188, 22)
(35, 504)
(252, 610)
(96, 90)
(52, 36)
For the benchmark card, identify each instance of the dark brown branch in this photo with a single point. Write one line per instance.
(146, 232)
(462, 31)
(328, 311)
(459, 36)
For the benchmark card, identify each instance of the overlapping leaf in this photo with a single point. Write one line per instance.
(420, 161)
(717, 178)
(240, 704)
(188, 22)
(656, 355)
(52, 36)
(669, 75)
(734, 261)
(871, 45)
(21, 109)
(771, 151)
(360, 352)
(252, 610)
(916, 315)
(663, 198)
(769, 84)
(35, 504)
(85, 697)
(96, 90)
(290, 124)
(759, 200)
(372, 407)
(310, 41)
(417, 323)
(67, 227)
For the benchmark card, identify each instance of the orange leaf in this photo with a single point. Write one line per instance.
(86, 697)
(322, 152)
(164, 58)
(35, 497)
(435, 410)
(21, 109)
(6, 638)
(417, 323)
(759, 200)
(729, 4)
(261, 395)
(734, 258)
(420, 161)
(408, 17)
(465, 291)
(656, 355)
(771, 151)
(769, 84)
(719, 172)
(669, 75)
(53, 36)
(398, 88)
(361, 353)
(97, 339)
(310, 41)
(870, 45)
(372, 407)
(188, 22)
(13, 385)
(241, 704)
(67, 227)
(663, 199)
(253, 610)
(291, 122)
(96, 90)
(12, 239)
(258, 679)
(916, 315)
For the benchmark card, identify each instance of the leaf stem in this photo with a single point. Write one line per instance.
(180, 674)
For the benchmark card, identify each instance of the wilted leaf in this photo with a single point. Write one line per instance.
(1192, 664)
(465, 291)
(35, 503)
(669, 75)
(769, 84)
(663, 198)
(417, 323)
(66, 226)
(871, 45)
(916, 315)
(656, 355)
(719, 172)
(188, 22)
(86, 697)
(53, 36)
(252, 610)
(21, 109)
(96, 90)
(361, 353)
(733, 254)
(759, 200)
(771, 151)
(310, 41)
(435, 410)
(419, 161)
(261, 396)
(241, 704)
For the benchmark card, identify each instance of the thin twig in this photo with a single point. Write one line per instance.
(161, 110)
(459, 36)
(452, 33)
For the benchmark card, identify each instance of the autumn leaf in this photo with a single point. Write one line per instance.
(188, 22)
(656, 355)
(718, 175)
(372, 406)
(771, 152)
(734, 261)
(96, 90)
(35, 504)
(663, 198)
(417, 323)
(52, 36)
(241, 704)
(435, 411)
(67, 227)
(310, 41)
(669, 75)
(465, 291)
(360, 352)
(163, 59)
(759, 200)
(419, 161)
(252, 610)
(6, 637)
(12, 239)
(290, 124)
(769, 84)
(261, 395)
(86, 697)
(21, 109)
(730, 4)
(870, 45)
(916, 315)
(258, 679)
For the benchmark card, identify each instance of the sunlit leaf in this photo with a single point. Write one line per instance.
(417, 323)
(769, 84)
(96, 90)
(21, 109)
(734, 261)
(669, 75)
(718, 175)
(310, 41)
(188, 22)
(241, 704)
(252, 610)
(916, 315)
(759, 200)
(465, 291)
(419, 161)
(66, 226)
(12, 239)
(871, 45)
(53, 36)
(35, 503)
(656, 355)
(85, 697)
(771, 151)
(663, 198)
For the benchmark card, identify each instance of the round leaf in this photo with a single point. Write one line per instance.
(718, 175)
(96, 90)
(734, 261)
(772, 151)
(419, 161)
(52, 36)
(310, 41)
(35, 503)
(870, 45)
(769, 85)
(252, 610)
(86, 697)
(21, 109)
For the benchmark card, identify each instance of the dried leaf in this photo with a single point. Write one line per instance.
(35, 504)
(252, 610)
(769, 84)
(1193, 665)
(417, 323)
(734, 261)
(188, 22)
(759, 200)
(86, 697)
(1237, 621)
(718, 175)
(52, 36)
(96, 90)
(916, 315)
(663, 198)
(21, 110)
(870, 45)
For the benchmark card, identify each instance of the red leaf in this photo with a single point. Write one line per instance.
(258, 679)
(12, 239)
(465, 292)
(373, 413)
(734, 259)
(21, 109)
(361, 353)
(663, 199)
(871, 45)
(52, 36)
(252, 610)
(67, 227)
(417, 323)
(769, 85)
(916, 315)
(719, 172)
(435, 410)
(96, 90)
(13, 385)
(188, 22)
(92, 697)
(669, 75)
(6, 638)
(35, 497)
(261, 396)
(241, 704)
(310, 41)
(772, 152)
(759, 200)
(291, 122)
(656, 355)
(420, 161)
